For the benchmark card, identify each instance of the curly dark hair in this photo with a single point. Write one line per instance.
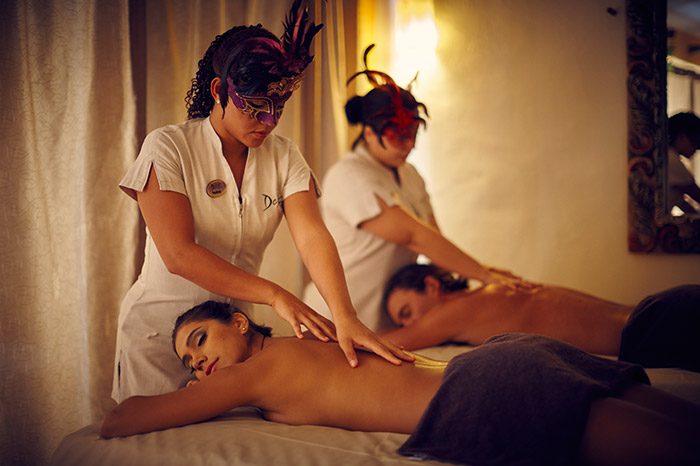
(252, 57)
(231, 53)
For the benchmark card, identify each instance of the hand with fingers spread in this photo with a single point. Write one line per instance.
(294, 311)
(509, 279)
(353, 334)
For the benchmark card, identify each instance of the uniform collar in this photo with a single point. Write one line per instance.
(362, 153)
(214, 138)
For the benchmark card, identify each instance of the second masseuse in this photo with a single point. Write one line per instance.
(376, 205)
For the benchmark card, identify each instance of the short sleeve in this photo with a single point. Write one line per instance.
(298, 174)
(158, 151)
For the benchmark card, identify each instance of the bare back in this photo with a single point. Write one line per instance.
(310, 382)
(585, 321)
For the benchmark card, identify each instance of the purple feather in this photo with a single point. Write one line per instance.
(299, 31)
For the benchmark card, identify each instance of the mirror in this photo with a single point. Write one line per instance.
(651, 227)
(683, 107)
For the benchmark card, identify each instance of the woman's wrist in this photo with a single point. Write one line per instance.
(343, 315)
(273, 293)
(487, 275)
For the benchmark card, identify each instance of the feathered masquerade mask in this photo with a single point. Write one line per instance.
(399, 117)
(287, 57)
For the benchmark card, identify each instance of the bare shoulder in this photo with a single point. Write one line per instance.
(285, 354)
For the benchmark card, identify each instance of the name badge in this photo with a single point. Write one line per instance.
(216, 188)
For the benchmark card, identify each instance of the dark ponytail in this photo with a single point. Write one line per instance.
(353, 110)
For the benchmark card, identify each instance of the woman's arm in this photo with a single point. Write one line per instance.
(395, 225)
(226, 389)
(320, 255)
(168, 216)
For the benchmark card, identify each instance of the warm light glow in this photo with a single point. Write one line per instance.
(415, 40)
(414, 50)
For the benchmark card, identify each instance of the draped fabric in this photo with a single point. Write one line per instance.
(83, 82)
(67, 235)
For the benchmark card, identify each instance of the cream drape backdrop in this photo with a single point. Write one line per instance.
(66, 235)
(83, 81)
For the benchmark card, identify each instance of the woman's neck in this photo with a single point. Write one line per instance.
(232, 148)
(256, 343)
(393, 170)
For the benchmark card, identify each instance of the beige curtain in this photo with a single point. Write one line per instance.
(66, 236)
(83, 82)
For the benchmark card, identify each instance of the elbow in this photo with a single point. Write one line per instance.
(176, 261)
(109, 427)
(120, 422)
(423, 239)
(415, 243)
(406, 238)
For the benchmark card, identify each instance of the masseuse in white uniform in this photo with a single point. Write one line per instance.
(212, 192)
(376, 206)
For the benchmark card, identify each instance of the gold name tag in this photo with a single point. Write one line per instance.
(216, 188)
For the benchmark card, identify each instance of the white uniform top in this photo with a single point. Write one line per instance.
(349, 198)
(237, 227)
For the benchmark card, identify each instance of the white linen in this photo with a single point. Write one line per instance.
(243, 438)
(240, 438)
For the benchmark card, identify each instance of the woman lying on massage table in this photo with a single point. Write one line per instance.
(516, 399)
(433, 306)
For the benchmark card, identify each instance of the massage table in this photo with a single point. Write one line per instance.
(242, 437)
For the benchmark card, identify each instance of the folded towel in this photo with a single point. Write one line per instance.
(516, 400)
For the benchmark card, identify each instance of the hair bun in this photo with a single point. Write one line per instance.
(353, 110)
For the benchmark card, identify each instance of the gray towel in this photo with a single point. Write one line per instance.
(664, 330)
(516, 400)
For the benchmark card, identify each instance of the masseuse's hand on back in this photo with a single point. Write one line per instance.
(396, 225)
(169, 219)
(296, 313)
(354, 334)
(510, 280)
(318, 251)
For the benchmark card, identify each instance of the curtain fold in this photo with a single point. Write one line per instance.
(84, 82)
(68, 134)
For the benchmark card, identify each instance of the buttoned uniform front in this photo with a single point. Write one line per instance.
(236, 226)
(350, 191)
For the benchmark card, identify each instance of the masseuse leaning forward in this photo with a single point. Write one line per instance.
(203, 187)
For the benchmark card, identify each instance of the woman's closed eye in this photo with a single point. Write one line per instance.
(201, 338)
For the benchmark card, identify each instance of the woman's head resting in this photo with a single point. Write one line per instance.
(415, 289)
(213, 335)
(392, 113)
(255, 71)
